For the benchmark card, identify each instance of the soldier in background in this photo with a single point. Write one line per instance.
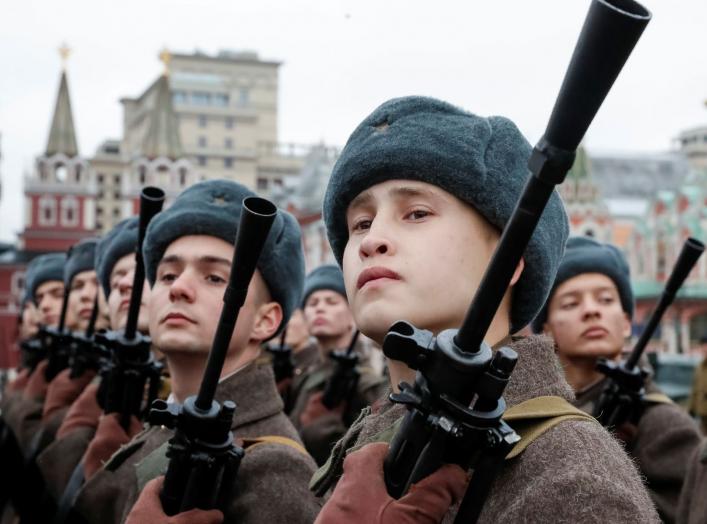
(589, 315)
(188, 251)
(329, 321)
(115, 266)
(698, 396)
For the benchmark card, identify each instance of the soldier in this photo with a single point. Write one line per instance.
(413, 212)
(80, 279)
(589, 316)
(45, 284)
(329, 320)
(188, 251)
(698, 395)
(115, 266)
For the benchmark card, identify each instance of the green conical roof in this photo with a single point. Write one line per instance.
(580, 168)
(162, 136)
(62, 136)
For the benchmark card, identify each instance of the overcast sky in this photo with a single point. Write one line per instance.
(341, 58)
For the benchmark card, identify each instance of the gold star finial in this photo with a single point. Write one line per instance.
(64, 52)
(166, 58)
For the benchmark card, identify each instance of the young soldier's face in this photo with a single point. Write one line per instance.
(327, 314)
(84, 287)
(48, 297)
(187, 298)
(121, 287)
(415, 252)
(586, 319)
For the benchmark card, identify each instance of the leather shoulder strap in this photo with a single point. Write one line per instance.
(657, 398)
(250, 443)
(534, 417)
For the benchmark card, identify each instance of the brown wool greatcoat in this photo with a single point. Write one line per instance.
(692, 508)
(665, 440)
(574, 472)
(272, 480)
(320, 435)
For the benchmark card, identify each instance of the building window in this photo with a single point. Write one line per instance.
(179, 97)
(277, 182)
(116, 179)
(100, 178)
(99, 211)
(229, 122)
(182, 176)
(99, 225)
(69, 212)
(47, 211)
(220, 99)
(202, 141)
(201, 98)
(261, 184)
(243, 97)
(116, 194)
(202, 120)
(228, 143)
(201, 160)
(116, 212)
(228, 162)
(77, 173)
(60, 171)
(43, 171)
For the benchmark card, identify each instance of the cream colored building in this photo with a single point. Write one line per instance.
(225, 108)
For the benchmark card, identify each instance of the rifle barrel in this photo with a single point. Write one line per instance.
(690, 253)
(151, 201)
(257, 217)
(609, 34)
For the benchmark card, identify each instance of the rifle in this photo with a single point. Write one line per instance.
(282, 363)
(32, 352)
(455, 405)
(132, 366)
(203, 458)
(57, 340)
(342, 384)
(621, 399)
(86, 352)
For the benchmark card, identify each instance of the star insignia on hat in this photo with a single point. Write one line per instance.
(219, 200)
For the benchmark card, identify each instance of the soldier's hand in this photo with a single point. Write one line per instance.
(20, 382)
(37, 384)
(315, 409)
(361, 496)
(148, 509)
(63, 390)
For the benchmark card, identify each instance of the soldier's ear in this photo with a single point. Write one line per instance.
(268, 318)
(518, 272)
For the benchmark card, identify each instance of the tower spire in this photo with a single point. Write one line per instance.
(62, 135)
(162, 137)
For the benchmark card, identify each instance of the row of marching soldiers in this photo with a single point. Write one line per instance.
(314, 416)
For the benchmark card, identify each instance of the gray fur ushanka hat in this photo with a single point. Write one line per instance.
(481, 161)
(120, 241)
(44, 268)
(328, 276)
(213, 208)
(81, 257)
(585, 255)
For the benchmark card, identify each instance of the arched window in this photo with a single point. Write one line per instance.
(60, 171)
(182, 176)
(77, 173)
(47, 211)
(69, 211)
(142, 172)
